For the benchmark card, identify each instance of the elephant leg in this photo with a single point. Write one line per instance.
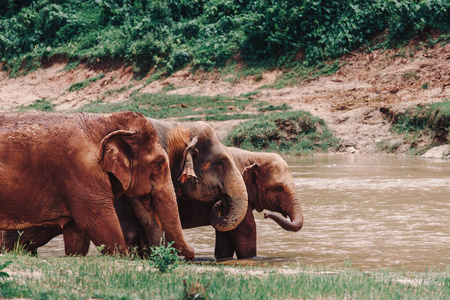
(29, 239)
(244, 237)
(224, 248)
(39, 237)
(241, 240)
(9, 238)
(75, 241)
(101, 225)
(149, 222)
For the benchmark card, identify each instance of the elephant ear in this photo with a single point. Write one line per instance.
(250, 175)
(115, 155)
(188, 162)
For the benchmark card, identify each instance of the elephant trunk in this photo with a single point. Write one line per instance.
(166, 206)
(295, 214)
(225, 216)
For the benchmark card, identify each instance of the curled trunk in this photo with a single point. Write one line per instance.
(295, 214)
(228, 213)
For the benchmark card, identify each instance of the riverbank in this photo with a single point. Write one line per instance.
(121, 278)
(354, 101)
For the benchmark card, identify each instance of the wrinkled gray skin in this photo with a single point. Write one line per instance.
(202, 170)
(270, 186)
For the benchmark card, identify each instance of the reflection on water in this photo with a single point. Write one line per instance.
(370, 211)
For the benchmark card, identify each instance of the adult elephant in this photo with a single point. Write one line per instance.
(202, 170)
(270, 186)
(67, 170)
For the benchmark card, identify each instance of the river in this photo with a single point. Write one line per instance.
(369, 212)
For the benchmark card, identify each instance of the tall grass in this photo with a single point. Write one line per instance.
(120, 278)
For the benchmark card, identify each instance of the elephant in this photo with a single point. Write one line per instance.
(67, 171)
(270, 186)
(202, 170)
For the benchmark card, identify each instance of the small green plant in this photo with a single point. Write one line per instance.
(2, 266)
(82, 84)
(164, 258)
(41, 105)
(425, 86)
(271, 107)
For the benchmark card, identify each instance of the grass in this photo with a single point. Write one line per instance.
(299, 72)
(294, 132)
(41, 105)
(161, 105)
(82, 84)
(429, 122)
(271, 107)
(108, 277)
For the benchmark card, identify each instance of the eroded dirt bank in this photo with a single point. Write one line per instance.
(352, 101)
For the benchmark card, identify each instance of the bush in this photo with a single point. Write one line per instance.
(431, 119)
(294, 132)
(164, 258)
(211, 32)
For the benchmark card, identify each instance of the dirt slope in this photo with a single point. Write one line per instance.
(349, 100)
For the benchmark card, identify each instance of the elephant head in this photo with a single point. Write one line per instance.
(270, 186)
(203, 170)
(142, 168)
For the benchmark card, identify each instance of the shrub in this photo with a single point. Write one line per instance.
(155, 33)
(431, 119)
(164, 258)
(293, 132)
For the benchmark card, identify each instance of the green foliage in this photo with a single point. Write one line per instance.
(429, 123)
(105, 277)
(41, 105)
(433, 117)
(271, 107)
(164, 258)
(2, 266)
(82, 84)
(206, 33)
(293, 132)
(161, 105)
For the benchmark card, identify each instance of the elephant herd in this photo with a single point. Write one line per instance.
(122, 180)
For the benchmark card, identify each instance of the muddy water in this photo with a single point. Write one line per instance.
(368, 211)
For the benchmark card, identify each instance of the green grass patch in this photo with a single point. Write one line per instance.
(271, 107)
(103, 277)
(294, 132)
(82, 84)
(298, 72)
(161, 105)
(431, 119)
(41, 105)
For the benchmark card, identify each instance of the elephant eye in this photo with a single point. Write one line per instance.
(159, 162)
(278, 188)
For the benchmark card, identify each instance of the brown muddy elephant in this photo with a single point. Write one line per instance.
(67, 170)
(270, 186)
(203, 170)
